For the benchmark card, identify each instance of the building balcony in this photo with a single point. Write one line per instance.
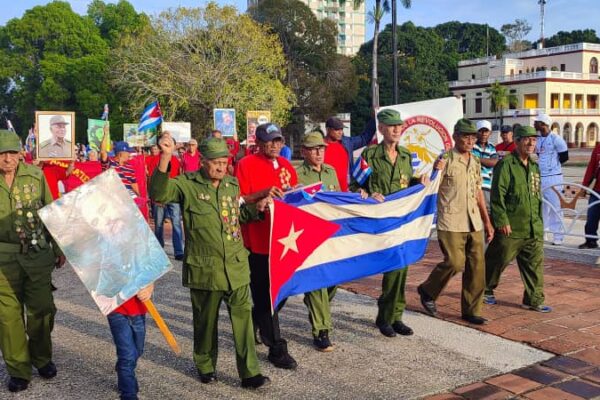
(480, 60)
(523, 77)
(521, 112)
(554, 50)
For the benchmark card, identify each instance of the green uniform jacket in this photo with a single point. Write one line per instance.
(386, 177)
(307, 175)
(516, 197)
(215, 256)
(23, 238)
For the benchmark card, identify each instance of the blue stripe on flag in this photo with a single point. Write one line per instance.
(346, 270)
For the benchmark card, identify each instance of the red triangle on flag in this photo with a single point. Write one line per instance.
(295, 235)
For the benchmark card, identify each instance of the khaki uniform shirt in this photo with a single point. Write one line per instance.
(457, 196)
(308, 175)
(52, 149)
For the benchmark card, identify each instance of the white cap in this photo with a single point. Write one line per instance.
(544, 119)
(484, 124)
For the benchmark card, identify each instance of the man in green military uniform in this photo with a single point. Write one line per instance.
(313, 170)
(215, 265)
(516, 204)
(59, 145)
(27, 259)
(461, 220)
(391, 166)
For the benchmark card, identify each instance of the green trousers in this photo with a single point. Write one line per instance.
(26, 319)
(319, 312)
(392, 301)
(205, 305)
(463, 251)
(530, 260)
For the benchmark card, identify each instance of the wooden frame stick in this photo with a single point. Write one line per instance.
(164, 329)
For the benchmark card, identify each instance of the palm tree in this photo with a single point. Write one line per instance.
(381, 7)
(500, 100)
(405, 4)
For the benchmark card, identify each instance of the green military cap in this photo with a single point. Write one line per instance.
(313, 139)
(466, 126)
(389, 117)
(9, 141)
(525, 131)
(214, 148)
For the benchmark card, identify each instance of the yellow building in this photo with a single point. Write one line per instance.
(561, 81)
(351, 22)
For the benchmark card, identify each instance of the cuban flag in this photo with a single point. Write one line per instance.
(151, 117)
(104, 115)
(361, 171)
(415, 162)
(330, 238)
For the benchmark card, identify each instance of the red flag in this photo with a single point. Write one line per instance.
(295, 235)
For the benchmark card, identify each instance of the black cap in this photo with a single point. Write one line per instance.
(267, 132)
(334, 123)
(506, 128)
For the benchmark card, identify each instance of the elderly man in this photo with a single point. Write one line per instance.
(392, 171)
(190, 162)
(216, 263)
(552, 152)
(340, 148)
(486, 152)
(462, 218)
(262, 174)
(516, 204)
(59, 145)
(313, 170)
(27, 258)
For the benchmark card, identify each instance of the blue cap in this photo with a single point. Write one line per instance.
(122, 146)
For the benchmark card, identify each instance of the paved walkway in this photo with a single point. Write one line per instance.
(571, 331)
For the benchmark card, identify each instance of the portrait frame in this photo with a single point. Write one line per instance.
(44, 133)
(180, 131)
(253, 119)
(95, 132)
(220, 115)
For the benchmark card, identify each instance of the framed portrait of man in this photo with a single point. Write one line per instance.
(253, 119)
(224, 121)
(56, 135)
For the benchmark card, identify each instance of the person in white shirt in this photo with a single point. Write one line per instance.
(552, 152)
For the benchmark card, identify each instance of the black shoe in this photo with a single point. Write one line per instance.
(322, 342)
(255, 382)
(402, 329)
(257, 338)
(48, 371)
(386, 330)
(475, 320)
(280, 358)
(588, 245)
(427, 302)
(211, 377)
(179, 257)
(17, 384)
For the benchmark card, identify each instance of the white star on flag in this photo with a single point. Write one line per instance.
(289, 242)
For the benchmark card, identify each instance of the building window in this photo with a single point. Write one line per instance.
(478, 106)
(563, 67)
(567, 100)
(555, 100)
(579, 101)
(512, 72)
(513, 105)
(592, 101)
(531, 100)
(472, 76)
(594, 65)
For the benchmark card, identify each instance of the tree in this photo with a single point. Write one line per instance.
(53, 59)
(380, 8)
(562, 38)
(515, 33)
(500, 100)
(116, 20)
(405, 4)
(197, 59)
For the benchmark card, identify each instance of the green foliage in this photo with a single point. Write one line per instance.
(577, 36)
(515, 33)
(500, 100)
(197, 59)
(116, 20)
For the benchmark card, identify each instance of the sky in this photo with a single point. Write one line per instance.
(566, 15)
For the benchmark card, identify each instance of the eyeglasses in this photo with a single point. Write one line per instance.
(319, 149)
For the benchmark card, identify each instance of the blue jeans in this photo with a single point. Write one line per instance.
(129, 333)
(173, 211)
(593, 216)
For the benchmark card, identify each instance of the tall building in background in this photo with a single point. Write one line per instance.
(351, 22)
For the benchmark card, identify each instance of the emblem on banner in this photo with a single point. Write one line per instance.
(426, 138)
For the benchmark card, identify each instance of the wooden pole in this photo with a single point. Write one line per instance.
(164, 329)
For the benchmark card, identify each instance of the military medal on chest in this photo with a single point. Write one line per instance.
(229, 216)
(535, 183)
(284, 178)
(27, 224)
(403, 181)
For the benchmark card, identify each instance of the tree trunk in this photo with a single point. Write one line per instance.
(374, 81)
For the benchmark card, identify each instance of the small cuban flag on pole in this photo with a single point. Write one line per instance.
(361, 171)
(105, 113)
(151, 117)
(415, 162)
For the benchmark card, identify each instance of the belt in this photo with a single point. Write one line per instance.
(10, 247)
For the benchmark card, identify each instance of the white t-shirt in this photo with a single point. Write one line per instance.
(547, 149)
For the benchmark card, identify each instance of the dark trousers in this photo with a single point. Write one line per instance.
(593, 216)
(267, 324)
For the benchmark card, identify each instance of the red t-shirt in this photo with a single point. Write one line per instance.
(593, 170)
(132, 307)
(190, 162)
(506, 147)
(255, 173)
(152, 163)
(234, 149)
(337, 156)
